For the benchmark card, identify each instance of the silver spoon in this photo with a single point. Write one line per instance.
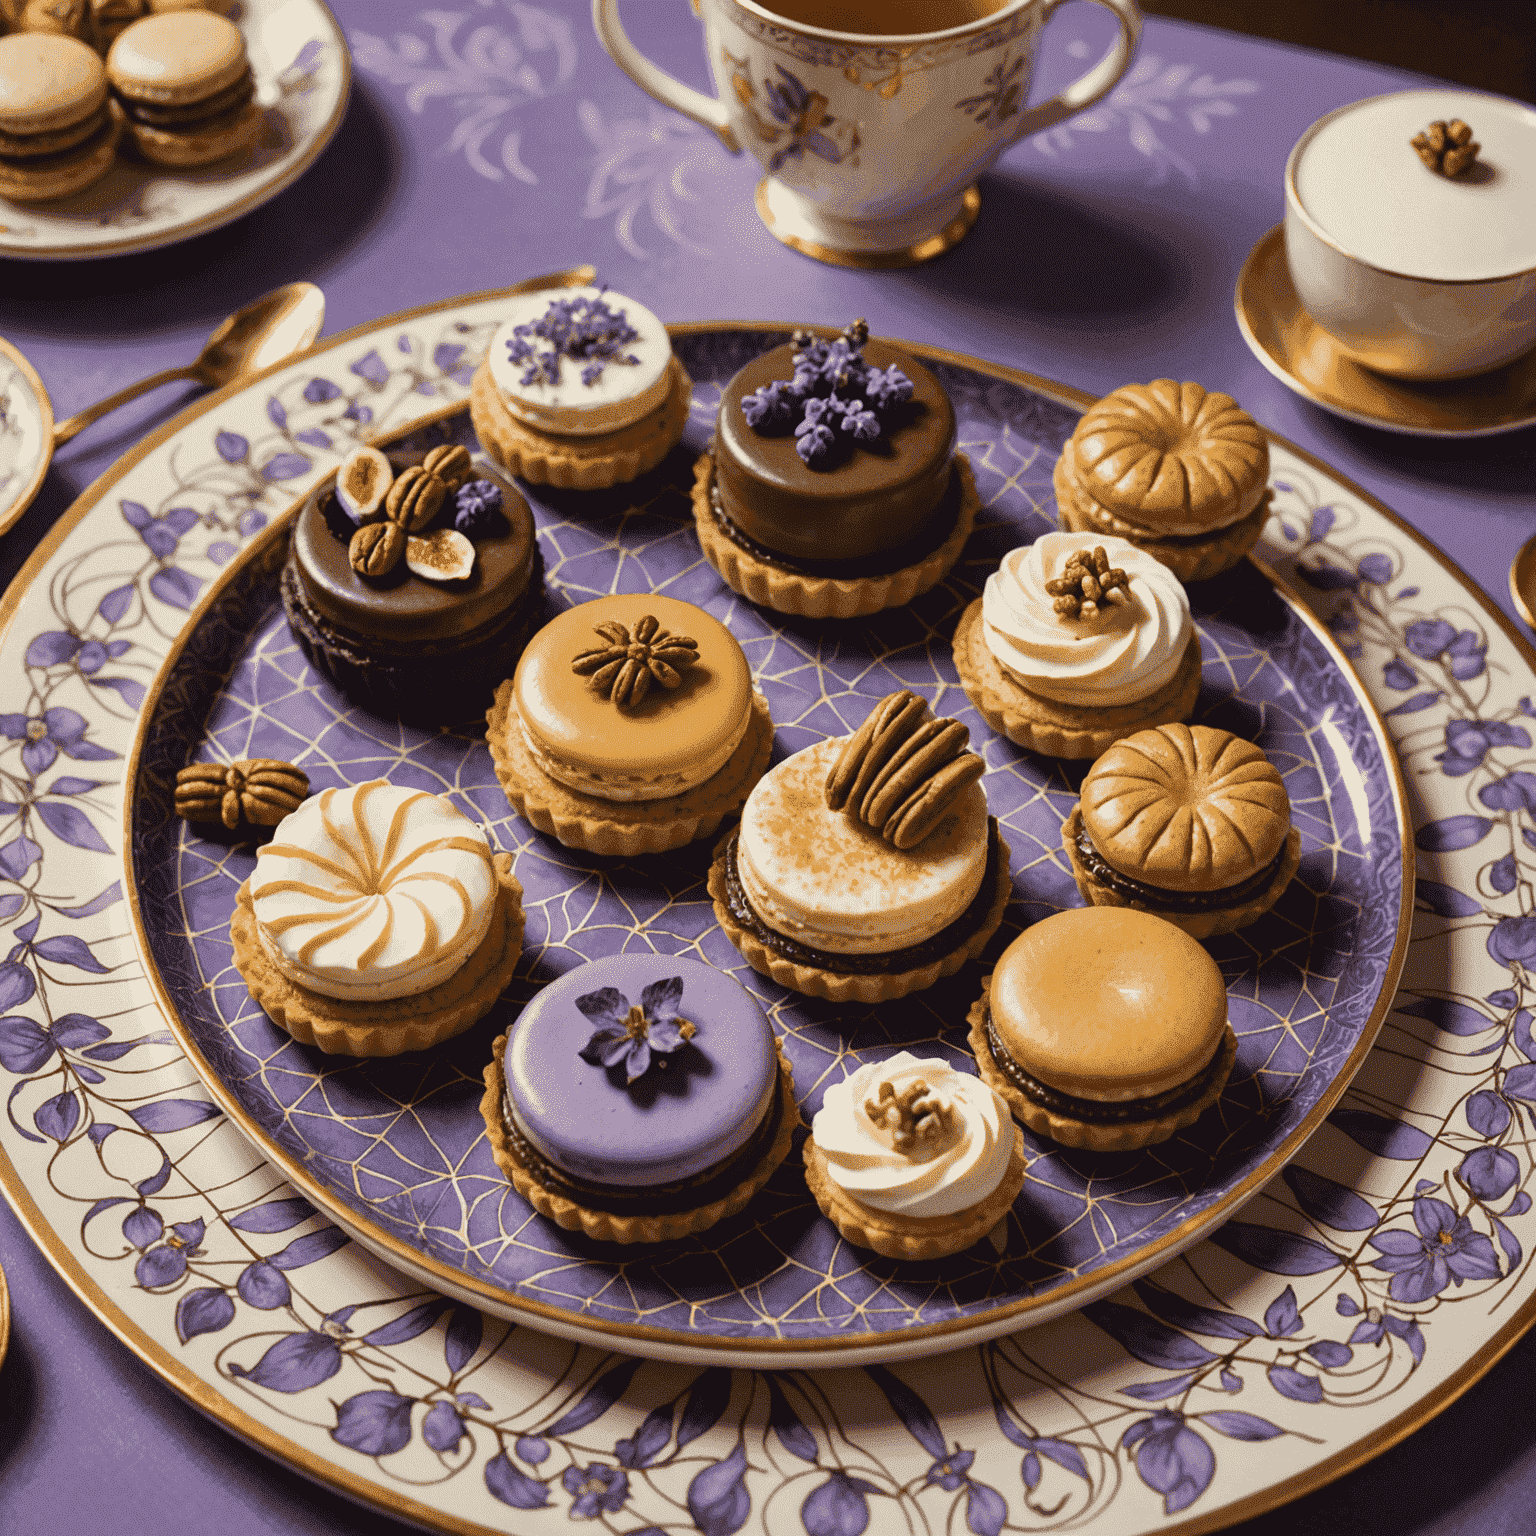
(268, 330)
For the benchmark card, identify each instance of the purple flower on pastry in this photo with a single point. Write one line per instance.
(598, 1489)
(861, 421)
(770, 407)
(812, 441)
(587, 330)
(631, 1034)
(477, 508)
(887, 387)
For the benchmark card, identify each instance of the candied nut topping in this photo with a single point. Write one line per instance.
(625, 666)
(1446, 148)
(1087, 584)
(917, 1118)
(376, 548)
(260, 791)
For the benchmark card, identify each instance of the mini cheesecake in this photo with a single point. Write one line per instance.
(631, 726)
(427, 650)
(1104, 1029)
(865, 867)
(1187, 822)
(639, 1098)
(832, 487)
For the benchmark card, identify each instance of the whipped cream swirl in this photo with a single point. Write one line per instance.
(373, 892)
(1130, 650)
(941, 1175)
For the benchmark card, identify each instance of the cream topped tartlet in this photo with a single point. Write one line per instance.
(579, 389)
(913, 1159)
(1076, 643)
(378, 920)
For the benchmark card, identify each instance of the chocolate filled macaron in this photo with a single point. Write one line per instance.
(1105, 1029)
(1188, 822)
(186, 86)
(378, 920)
(832, 488)
(866, 867)
(639, 1098)
(631, 726)
(1178, 470)
(58, 128)
(579, 389)
(413, 582)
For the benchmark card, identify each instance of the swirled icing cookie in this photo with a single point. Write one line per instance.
(1076, 642)
(1104, 1028)
(373, 892)
(1189, 822)
(912, 1158)
(822, 889)
(1175, 468)
(639, 1097)
(579, 388)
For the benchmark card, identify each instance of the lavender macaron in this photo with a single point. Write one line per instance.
(639, 1098)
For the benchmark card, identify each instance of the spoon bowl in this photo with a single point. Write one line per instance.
(1522, 581)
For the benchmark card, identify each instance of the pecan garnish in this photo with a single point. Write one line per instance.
(1446, 148)
(451, 464)
(1087, 584)
(260, 791)
(902, 770)
(917, 1118)
(624, 668)
(376, 548)
(415, 498)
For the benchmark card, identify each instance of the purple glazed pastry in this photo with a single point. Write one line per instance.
(640, 1097)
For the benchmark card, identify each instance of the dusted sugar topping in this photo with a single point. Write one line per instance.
(827, 880)
(373, 892)
(580, 361)
(1188, 808)
(914, 1137)
(1172, 457)
(1130, 648)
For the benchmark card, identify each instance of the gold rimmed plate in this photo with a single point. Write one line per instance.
(1307, 360)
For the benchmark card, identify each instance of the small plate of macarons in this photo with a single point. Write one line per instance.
(140, 123)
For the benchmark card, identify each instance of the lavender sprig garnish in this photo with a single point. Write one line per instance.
(631, 1034)
(585, 329)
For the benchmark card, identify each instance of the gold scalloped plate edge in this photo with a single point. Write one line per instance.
(252, 1431)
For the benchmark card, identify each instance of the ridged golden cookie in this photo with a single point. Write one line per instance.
(1186, 808)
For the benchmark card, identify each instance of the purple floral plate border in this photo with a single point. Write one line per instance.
(1244, 1374)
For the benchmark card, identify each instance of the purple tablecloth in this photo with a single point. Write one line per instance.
(1106, 251)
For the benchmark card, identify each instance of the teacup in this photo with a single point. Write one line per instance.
(1415, 274)
(872, 138)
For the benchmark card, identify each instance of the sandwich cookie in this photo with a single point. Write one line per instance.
(1105, 1029)
(186, 86)
(58, 129)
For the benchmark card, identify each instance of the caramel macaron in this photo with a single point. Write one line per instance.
(58, 129)
(604, 761)
(1188, 822)
(1178, 469)
(1105, 1029)
(186, 86)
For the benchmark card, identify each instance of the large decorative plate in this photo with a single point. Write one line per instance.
(396, 1150)
(303, 75)
(1356, 1296)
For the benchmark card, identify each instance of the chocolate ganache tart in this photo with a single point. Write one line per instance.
(832, 488)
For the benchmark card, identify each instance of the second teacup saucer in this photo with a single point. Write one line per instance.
(1306, 359)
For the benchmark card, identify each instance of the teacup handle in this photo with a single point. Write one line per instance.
(1086, 89)
(708, 110)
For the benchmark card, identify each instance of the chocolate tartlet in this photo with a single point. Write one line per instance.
(1187, 822)
(1104, 1029)
(832, 487)
(398, 644)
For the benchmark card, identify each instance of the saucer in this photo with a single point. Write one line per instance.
(26, 434)
(1306, 359)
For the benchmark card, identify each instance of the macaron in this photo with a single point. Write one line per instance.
(186, 86)
(1189, 822)
(1104, 1028)
(111, 18)
(58, 129)
(61, 18)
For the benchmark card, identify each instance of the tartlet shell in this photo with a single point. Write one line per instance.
(396, 1025)
(578, 463)
(1198, 925)
(827, 597)
(843, 986)
(607, 1226)
(1063, 730)
(624, 828)
(1068, 1132)
(910, 1237)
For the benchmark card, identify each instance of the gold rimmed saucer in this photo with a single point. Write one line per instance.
(914, 255)
(1306, 359)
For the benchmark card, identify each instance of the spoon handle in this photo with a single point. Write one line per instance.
(65, 430)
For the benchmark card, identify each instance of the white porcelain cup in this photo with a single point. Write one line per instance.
(871, 140)
(1414, 274)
